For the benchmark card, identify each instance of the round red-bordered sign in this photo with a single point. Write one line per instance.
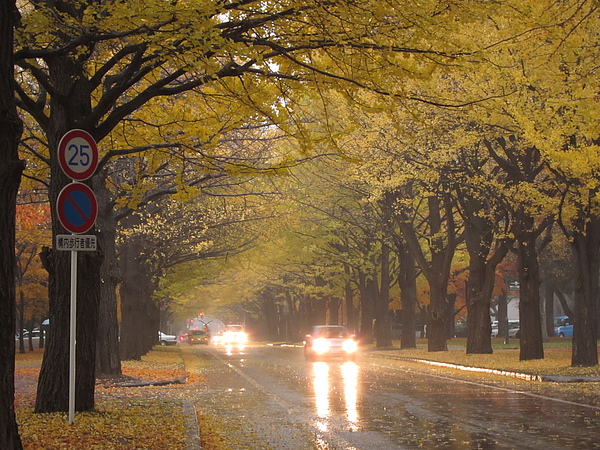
(77, 208)
(78, 154)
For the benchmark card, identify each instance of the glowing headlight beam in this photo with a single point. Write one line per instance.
(320, 346)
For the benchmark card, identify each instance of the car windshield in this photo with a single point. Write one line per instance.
(234, 328)
(198, 332)
(332, 332)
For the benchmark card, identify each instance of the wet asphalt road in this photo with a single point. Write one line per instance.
(269, 397)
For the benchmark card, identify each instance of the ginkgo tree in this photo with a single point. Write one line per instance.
(172, 233)
(547, 126)
(90, 66)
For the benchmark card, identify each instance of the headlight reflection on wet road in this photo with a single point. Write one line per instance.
(321, 385)
(230, 350)
(323, 390)
(350, 377)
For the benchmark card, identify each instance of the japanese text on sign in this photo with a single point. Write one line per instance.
(80, 243)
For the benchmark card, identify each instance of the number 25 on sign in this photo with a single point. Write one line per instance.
(78, 154)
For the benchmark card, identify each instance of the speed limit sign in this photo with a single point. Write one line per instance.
(78, 154)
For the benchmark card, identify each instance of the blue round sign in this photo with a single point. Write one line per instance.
(77, 208)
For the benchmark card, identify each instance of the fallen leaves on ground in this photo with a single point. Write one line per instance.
(121, 423)
(124, 417)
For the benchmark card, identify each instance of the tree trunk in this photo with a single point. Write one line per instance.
(532, 346)
(69, 109)
(108, 362)
(319, 309)
(351, 321)
(479, 327)
(450, 328)
(269, 315)
(334, 310)
(382, 299)
(407, 279)
(436, 311)
(53, 382)
(502, 315)
(442, 247)
(139, 314)
(549, 307)
(585, 332)
(21, 322)
(439, 273)
(366, 310)
(479, 236)
(10, 178)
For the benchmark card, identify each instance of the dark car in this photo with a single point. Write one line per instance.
(198, 337)
(330, 341)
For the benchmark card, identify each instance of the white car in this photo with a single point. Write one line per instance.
(166, 339)
(233, 334)
(513, 329)
(330, 341)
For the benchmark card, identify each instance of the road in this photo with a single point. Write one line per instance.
(269, 397)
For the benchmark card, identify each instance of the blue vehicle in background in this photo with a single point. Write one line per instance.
(563, 326)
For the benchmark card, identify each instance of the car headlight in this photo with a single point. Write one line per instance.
(320, 346)
(349, 346)
(242, 337)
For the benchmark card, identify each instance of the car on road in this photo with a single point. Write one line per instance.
(198, 337)
(513, 329)
(330, 341)
(233, 334)
(35, 334)
(166, 339)
(563, 326)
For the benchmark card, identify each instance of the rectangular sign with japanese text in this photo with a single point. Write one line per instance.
(75, 243)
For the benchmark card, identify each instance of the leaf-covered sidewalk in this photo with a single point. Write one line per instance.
(144, 417)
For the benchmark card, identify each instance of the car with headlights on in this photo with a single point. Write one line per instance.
(326, 341)
(233, 335)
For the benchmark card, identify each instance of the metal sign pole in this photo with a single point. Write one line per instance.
(77, 209)
(72, 331)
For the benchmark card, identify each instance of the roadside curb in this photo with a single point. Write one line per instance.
(192, 432)
(192, 429)
(519, 375)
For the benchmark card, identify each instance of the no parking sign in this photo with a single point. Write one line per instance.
(77, 208)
